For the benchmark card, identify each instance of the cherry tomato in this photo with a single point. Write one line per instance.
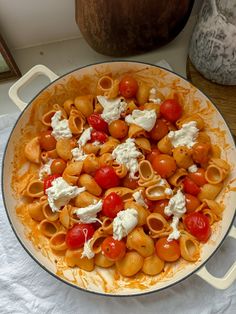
(130, 183)
(58, 166)
(106, 177)
(113, 249)
(98, 136)
(159, 130)
(155, 152)
(171, 110)
(201, 153)
(191, 202)
(168, 251)
(198, 177)
(159, 206)
(198, 225)
(118, 129)
(47, 182)
(97, 122)
(47, 141)
(190, 186)
(112, 204)
(164, 165)
(78, 235)
(128, 87)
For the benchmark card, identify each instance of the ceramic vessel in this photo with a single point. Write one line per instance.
(213, 44)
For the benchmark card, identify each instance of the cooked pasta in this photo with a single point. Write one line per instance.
(87, 186)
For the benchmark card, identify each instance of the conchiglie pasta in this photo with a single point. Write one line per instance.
(143, 213)
(101, 261)
(84, 104)
(33, 151)
(139, 241)
(177, 178)
(143, 93)
(183, 156)
(91, 164)
(165, 146)
(158, 225)
(125, 193)
(195, 117)
(35, 188)
(153, 265)
(136, 131)
(109, 146)
(76, 124)
(48, 213)
(48, 228)
(35, 210)
(90, 148)
(64, 216)
(105, 159)
(68, 105)
(90, 184)
(120, 170)
(85, 199)
(143, 144)
(130, 264)
(189, 247)
(63, 148)
(58, 241)
(210, 191)
(74, 258)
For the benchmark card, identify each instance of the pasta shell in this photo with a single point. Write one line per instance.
(84, 104)
(33, 151)
(48, 228)
(58, 241)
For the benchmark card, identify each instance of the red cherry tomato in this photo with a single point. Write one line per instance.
(98, 136)
(155, 152)
(78, 235)
(47, 140)
(190, 186)
(201, 153)
(112, 204)
(106, 177)
(168, 251)
(128, 87)
(130, 183)
(191, 202)
(97, 122)
(113, 249)
(198, 177)
(159, 206)
(159, 130)
(198, 225)
(164, 165)
(47, 182)
(171, 110)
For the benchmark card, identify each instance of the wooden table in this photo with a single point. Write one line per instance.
(224, 97)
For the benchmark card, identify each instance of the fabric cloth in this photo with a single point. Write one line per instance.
(26, 288)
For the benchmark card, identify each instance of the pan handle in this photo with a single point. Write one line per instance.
(227, 279)
(26, 78)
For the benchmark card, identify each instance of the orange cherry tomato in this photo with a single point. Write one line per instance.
(201, 153)
(159, 206)
(155, 152)
(198, 225)
(128, 87)
(113, 249)
(171, 110)
(164, 165)
(168, 251)
(130, 183)
(191, 202)
(47, 140)
(198, 177)
(159, 130)
(58, 166)
(118, 129)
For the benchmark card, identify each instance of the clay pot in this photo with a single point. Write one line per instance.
(124, 27)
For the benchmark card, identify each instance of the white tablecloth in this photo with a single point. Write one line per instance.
(26, 288)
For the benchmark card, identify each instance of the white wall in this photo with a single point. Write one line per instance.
(25, 23)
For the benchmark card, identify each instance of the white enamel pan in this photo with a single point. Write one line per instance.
(101, 281)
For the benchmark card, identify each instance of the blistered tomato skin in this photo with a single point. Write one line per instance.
(112, 205)
(97, 122)
(106, 177)
(198, 225)
(78, 235)
(171, 110)
(113, 249)
(47, 140)
(128, 87)
(98, 136)
(168, 251)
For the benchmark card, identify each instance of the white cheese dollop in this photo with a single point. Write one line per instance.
(177, 208)
(112, 108)
(124, 223)
(89, 214)
(87, 251)
(138, 197)
(192, 168)
(45, 170)
(60, 193)
(60, 128)
(78, 154)
(85, 137)
(153, 96)
(186, 136)
(127, 154)
(168, 191)
(146, 119)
